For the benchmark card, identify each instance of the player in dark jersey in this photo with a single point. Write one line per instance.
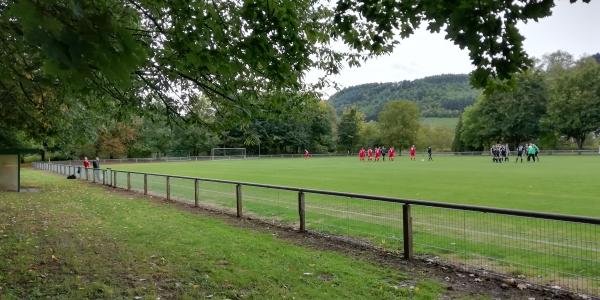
(429, 153)
(520, 150)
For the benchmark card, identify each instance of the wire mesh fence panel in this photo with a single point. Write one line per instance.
(182, 189)
(378, 223)
(544, 252)
(137, 182)
(95, 175)
(79, 173)
(121, 180)
(271, 204)
(157, 185)
(217, 195)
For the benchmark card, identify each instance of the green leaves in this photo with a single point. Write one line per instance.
(81, 40)
(574, 106)
(349, 127)
(399, 122)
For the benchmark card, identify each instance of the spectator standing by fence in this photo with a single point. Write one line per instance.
(86, 164)
(96, 166)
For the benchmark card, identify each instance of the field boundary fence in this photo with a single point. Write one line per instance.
(316, 155)
(555, 251)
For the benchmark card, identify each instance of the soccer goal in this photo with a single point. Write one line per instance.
(228, 153)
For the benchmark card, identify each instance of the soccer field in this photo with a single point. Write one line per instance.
(558, 184)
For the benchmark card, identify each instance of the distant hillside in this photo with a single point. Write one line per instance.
(436, 96)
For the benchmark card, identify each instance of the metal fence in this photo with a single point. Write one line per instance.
(550, 250)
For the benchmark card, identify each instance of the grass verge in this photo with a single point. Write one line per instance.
(74, 242)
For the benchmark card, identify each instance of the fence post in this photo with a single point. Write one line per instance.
(129, 181)
(145, 184)
(301, 211)
(196, 191)
(94, 175)
(168, 188)
(114, 179)
(238, 194)
(407, 230)
(103, 177)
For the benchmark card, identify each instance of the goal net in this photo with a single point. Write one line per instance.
(228, 153)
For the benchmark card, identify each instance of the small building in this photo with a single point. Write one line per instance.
(10, 168)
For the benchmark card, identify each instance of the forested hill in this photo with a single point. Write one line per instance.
(436, 96)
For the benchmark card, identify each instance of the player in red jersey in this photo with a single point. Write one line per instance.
(306, 154)
(391, 153)
(377, 153)
(413, 153)
(361, 154)
(370, 153)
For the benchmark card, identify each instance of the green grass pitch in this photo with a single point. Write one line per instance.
(548, 252)
(558, 184)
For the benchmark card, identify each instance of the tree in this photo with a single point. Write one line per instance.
(399, 122)
(457, 143)
(509, 111)
(370, 135)
(556, 62)
(439, 138)
(574, 107)
(349, 127)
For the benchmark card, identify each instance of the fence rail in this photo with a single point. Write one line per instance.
(551, 250)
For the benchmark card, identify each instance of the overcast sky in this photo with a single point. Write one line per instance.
(571, 27)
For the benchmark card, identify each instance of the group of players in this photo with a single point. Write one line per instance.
(380, 153)
(501, 152)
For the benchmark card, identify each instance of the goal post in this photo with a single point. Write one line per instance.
(228, 153)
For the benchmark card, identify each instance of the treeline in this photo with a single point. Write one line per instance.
(555, 104)
(301, 121)
(436, 96)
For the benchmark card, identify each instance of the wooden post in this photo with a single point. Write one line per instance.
(110, 172)
(301, 211)
(168, 188)
(145, 184)
(407, 230)
(94, 175)
(238, 194)
(129, 181)
(114, 179)
(196, 191)
(103, 177)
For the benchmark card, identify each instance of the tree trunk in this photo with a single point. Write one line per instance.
(44, 149)
(580, 140)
